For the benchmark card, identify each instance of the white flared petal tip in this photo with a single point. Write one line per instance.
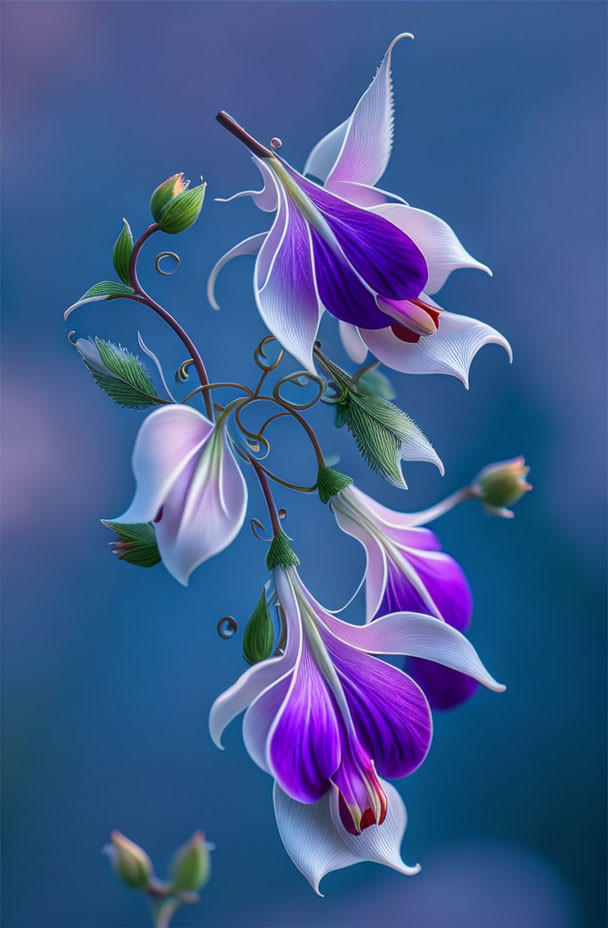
(90, 299)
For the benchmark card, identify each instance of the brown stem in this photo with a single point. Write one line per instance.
(143, 297)
(252, 144)
(270, 503)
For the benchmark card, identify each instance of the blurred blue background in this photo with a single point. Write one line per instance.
(109, 671)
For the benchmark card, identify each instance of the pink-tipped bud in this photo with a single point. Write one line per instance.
(129, 861)
(502, 485)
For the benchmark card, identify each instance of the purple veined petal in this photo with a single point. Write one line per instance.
(341, 290)
(265, 199)
(449, 351)
(252, 684)
(368, 139)
(436, 240)
(444, 688)
(167, 441)
(414, 635)
(204, 510)
(383, 256)
(249, 246)
(389, 711)
(323, 156)
(303, 746)
(285, 288)
(379, 844)
(352, 342)
(429, 582)
(376, 567)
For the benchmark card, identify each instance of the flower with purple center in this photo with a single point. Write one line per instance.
(329, 721)
(339, 243)
(407, 572)
(189, 485)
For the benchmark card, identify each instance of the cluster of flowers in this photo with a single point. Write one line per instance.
(329, 720)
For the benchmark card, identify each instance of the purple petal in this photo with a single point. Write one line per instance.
(444, 688)
(450, 350)
(285, 285)
(385, 257)
(304, 742)
(431, 583)
(389, 711)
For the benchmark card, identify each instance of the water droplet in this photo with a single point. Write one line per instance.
(227, 626)
(282, 514)
(275, 143)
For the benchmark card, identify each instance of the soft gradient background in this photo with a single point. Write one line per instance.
(109, 671)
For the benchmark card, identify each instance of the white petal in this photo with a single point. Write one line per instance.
(368, 139)
(380, 844)
(354, 345)
(449, 351)
(323, 156)
(375, 571)
(157, 364)
(167, 440)
(284, 285)
(310, 838)
(249, 246)
(415, 635)
(204, 510)
(260, 716)
(417, 447)
(318, 843)
(265, 199)
(436, 240)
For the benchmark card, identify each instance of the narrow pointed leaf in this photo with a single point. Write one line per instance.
(122, 252)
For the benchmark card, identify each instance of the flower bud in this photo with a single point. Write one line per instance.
(129, 861)
(167, 191)
(181, 211)
(501, 485)
(258, 638)
(191, 864)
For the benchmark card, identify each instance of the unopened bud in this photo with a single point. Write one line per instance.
(165, 192)
(502, 485)
(191, 864)
(182, 211)
(258, 638)
(129, 861)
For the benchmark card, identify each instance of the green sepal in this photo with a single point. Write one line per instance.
(330, 482)
(122, 252)
(182, 211)
(120, 374)
(281, 554)
(136, 543)
(109, 289)
(258, 638)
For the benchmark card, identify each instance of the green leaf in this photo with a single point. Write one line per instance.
(136, 543)
(108, 289)
(330, 482)
(379, 383)
(119, 373)
(182, 211)
(258, 638)
(280, 553)
(122, 253)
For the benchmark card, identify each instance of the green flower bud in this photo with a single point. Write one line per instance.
(182, 211)
(167, 191)
(191, 864)
(129, 861)
(330, 482)
(501, 485)
(258, 638)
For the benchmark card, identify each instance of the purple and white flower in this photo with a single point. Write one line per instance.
(329, 722)
(407, 572)
(341, 244)
(189, 485)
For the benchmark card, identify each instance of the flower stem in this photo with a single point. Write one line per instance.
(434, 512)
(252, 144)
(270, 503)
(143, 297)
(163, 912)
